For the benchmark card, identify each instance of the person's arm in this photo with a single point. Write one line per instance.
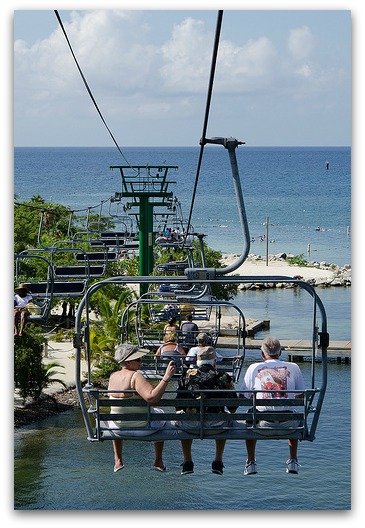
(218, 356)
(300, 384)
(153, 394)
(246, 386)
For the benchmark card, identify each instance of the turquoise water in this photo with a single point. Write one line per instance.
(56, 468)
(290, 311)
(290, 185)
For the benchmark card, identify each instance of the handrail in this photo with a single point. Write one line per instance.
(231, 144)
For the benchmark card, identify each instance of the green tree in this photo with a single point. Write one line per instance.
(29, 213)
(105, 333)
(31, 376)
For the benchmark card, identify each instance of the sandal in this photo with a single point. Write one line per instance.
(158, 468)
(116, 469)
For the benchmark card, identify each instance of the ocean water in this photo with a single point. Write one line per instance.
(56, 468)
(291, 186)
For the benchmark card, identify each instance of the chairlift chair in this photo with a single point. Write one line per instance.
(241, 425)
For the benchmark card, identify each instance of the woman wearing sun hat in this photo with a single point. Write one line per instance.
(22, 297)
(129, 377)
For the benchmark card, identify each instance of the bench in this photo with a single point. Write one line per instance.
(154, 338)
(79, 271)
(41, 290)
(114, 242)
(96, 256)
(244, 424)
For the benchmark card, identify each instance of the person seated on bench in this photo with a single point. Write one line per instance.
(129, 377)
(205, 376)
(22, 297)
(273, 373)
(171, 327)
(170, 348)
(189, 330)
(203, 341)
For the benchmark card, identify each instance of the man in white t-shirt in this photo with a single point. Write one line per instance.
(203, 341)
(272, 374)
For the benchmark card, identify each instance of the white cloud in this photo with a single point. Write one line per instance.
(300, 42)
(187, 57)
(246, 68)
(304, 71)
(134, 76)
(98, 39)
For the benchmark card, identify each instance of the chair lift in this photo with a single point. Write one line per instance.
(241, 425)
(60, 288)
(40, 312)
(96, 416)
(179, 266)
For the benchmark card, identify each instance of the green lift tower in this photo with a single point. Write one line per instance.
(147, 187)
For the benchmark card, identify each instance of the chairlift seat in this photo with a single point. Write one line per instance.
(79, 271)
(96, 256)
(114, 242)
(172, 267)
(111, 234)
(41, 290)
(179, 425)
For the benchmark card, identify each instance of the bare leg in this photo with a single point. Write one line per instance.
(186, 449)
(251, 447)
(118, 460)
(16, 321)
(293, 448)
(158, 455)
(219, 449)
(23, 320)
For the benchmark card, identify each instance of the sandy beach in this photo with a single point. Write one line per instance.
(257, 267)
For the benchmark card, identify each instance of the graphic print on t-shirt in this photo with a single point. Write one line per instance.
(273, 379)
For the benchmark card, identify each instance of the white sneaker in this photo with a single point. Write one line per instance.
(250, 468)
(292, 466)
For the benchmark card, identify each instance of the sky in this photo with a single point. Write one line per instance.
(283, 77)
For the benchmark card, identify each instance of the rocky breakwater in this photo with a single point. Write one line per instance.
(318, 274)
(341, 275)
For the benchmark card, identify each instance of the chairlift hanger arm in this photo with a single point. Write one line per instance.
(231, 144)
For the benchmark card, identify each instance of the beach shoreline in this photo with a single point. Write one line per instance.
(316, 273)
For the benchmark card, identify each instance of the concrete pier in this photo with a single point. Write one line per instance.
(296, 349)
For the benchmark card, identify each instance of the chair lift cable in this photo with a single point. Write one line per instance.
(205, 125)
(88, 88)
